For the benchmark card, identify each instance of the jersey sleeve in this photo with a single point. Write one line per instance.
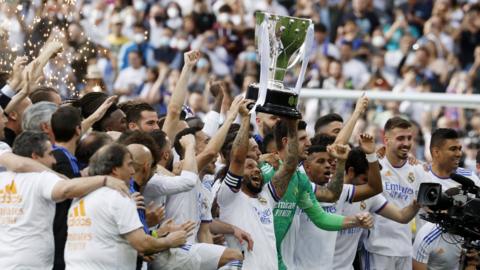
(229, 189)
(308, 203)
(125, 214)
(47, 183)
(160, 185)
(378, 202)
(425, 242)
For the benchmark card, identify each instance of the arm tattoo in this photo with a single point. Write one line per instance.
(282, 177)
(240, 144)
(336, 185)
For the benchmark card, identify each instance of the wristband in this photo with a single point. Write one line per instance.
(104, 182)
(372, 157)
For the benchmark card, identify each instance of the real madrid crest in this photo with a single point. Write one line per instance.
(363, 205)
(262, 200)
(411, 177)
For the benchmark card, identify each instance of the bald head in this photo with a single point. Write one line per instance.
(140, 153)
(142, 160)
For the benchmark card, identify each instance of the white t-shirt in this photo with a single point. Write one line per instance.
(400, 187)
(96, 225)
(314, 247)
(185, 206)
(348, 239)
(160, 186)
(440, 251)
(130, 77)
(255, 216)
(26, 220)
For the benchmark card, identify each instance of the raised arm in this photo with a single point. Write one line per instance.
(189, 162)
(374, 185)
(344, 136)
(179, 94)
(332, 191)
(215, 144)
(239, 152)
(281, 178)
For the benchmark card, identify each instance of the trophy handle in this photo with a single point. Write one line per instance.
(297, 58)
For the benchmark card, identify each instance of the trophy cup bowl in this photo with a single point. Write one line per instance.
(286, 38)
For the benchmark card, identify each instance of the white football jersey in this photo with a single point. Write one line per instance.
(255, 216)
(314, 248)
(348, 239)
(400, 187)
(439, 251)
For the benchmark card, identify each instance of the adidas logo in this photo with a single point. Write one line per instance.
(77, 216)
(9, 194)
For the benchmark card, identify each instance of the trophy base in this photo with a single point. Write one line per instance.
(277, 102)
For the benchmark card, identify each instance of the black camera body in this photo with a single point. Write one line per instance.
(456, 211)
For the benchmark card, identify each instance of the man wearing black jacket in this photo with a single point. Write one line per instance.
(66, 126)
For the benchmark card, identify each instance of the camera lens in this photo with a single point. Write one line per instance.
(432, 195)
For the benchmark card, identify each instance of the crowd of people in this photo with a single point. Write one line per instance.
(126, 141)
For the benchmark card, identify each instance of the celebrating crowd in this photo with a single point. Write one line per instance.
(126, 140)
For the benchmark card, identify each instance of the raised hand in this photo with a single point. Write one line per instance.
(362, 104)
(339, 151)
(17, 76)
(244, 111)
(234, 108)
(367, 143)
(191, 58)
(187, 140)
(271, 158)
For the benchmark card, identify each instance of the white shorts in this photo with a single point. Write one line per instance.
(209, 255)
(373, 261)
(181, 258)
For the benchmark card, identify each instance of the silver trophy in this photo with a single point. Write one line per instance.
(281, 42)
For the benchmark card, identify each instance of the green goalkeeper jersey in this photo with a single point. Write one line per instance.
(298, 194)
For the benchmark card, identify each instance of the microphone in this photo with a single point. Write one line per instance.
(466, 183)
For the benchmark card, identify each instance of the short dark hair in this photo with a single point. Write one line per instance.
(317, 148)
(357, 160)
(107, 158)
(266, 141)
(89, 103)
(177, 145)
(440, 135)
(322, 139)
(143, 138)
(397, 122)
(29, 142)
(320, 27)
(195, 122)
(65, 122)
(160, 138)
(42, 93)
(90, 144)
(280, 131)
(327, 119)
(134, 112)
